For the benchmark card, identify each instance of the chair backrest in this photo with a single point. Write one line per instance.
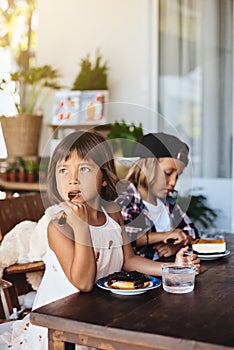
(26, 207)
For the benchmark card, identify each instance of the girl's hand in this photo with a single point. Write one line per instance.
(76, 214)
(77, 220)
(193, 258)
(176, 237)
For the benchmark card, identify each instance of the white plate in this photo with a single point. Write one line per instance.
(213, 256)
(154, 283)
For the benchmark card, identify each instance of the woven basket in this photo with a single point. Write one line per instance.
(21, 134)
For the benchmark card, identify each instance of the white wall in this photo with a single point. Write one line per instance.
(68, 30)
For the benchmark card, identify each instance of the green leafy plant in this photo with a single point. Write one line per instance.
(121, 133)
(29, 165)
(12, 168)
(32, 85)
(91, 76)
(198, 210)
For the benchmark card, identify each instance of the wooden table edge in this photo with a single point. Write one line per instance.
(89, 334)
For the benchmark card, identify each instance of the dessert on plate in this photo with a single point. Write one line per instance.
(127, 280)
(209, 246)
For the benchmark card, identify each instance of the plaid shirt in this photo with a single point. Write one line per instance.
(137, 219)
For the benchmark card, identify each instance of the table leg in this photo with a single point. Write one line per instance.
(56, 340)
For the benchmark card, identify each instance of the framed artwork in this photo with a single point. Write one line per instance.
(93, 106)
(80, 107)
(66, 107)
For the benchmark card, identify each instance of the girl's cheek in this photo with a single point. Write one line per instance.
(60, 186)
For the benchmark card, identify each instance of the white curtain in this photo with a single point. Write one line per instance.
(195, 79)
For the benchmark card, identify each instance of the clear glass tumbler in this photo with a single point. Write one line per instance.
(177, 278)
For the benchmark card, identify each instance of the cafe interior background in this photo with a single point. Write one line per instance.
(169, 67)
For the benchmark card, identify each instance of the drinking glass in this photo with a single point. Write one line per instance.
(178, 278)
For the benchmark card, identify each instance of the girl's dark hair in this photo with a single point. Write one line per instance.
(89, 145)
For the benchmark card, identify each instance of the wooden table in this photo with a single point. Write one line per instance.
(201, 320)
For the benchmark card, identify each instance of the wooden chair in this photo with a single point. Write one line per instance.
(13, 211)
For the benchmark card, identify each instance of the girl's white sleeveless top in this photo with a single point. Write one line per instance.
(107, 242)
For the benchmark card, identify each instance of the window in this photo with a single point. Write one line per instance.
(195, 79)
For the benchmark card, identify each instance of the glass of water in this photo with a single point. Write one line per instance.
(177, 278)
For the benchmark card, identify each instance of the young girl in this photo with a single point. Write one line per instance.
(86, 238)
(155, 229)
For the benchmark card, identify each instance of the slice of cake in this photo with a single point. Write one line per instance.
(209, 246)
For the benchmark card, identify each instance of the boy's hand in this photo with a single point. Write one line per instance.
(176, 237)
(166, 250)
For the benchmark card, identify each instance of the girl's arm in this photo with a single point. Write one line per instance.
(151, 267)
(73, 248)
(144, 265)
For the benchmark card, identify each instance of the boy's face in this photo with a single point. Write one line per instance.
(169, 169)
(79, 180)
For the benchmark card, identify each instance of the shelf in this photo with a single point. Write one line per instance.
(22, 186)
(102, 128)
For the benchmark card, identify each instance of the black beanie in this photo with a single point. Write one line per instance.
(161, 145)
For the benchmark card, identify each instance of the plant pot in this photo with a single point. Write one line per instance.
(12, 177)
(3, 176)
(21, 176)
(21, 134)
(30, 177)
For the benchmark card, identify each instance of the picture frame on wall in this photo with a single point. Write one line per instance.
(66, 107)
(72, 107)
(93, 107)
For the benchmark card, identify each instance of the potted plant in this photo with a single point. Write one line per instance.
(12, 173)
(91, 81)
(30, 167)
(92, 76)
(32, 85)
(22, 132)
(198, 210)
(21, 171)
(122, 133)
(122, 136)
